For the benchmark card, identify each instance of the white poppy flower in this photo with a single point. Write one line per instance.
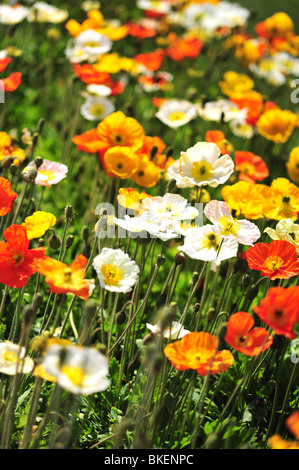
(98, 90)
(13, 360)
(173, 173)
(88, 46)
(13, 15)
(287, 230)
(201, 165)
(270, 70)
(96, 108)
(77, 369)
(207, 244)
(158, 6)
(44, 13)
(221, 110)
(175, 113)
(175, 331)
(170, 207)
(115, 269)
(243, 231)
(242, 129)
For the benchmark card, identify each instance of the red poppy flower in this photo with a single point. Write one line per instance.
(140, 32)
(89, 75)
(89, 141)
(4, 63)
(280, 310)
(252, 168)
(17, 261)
(12, 82)
(241, 336)
(151, 60)
(7, 196)
(277, 259)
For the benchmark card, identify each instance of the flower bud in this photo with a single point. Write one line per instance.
(27, 314)
(221, 331)
(246, 281)
(69, 241)
(214, 441)
(69, 213)
(161, 300)
(29, 174)
(40, 125)
(54, 242)
(13, 169)
(38, 161)
(160, 260)
(6, 161)
(237, 264)
(121, 318)
(37, 301)
(211, 314)
(180, 258)
(252, 292)
(148, 338)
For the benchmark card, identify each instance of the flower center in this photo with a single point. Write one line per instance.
(229, 225)
(243, 341)
(117, 139)
(273, 263)
(67, 275)
(201, 171)
(10, 356)
(97, 109)
(210, 241)
(112, 274)
(75, 374)
(48, 173)
(246, 168)
(18, 258)
(176, 116)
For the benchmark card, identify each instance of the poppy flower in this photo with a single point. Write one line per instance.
(119, 130)
(241, 336)
(7, 196)
(11, 149)
(141, 32)
(17, 261)
(89, 141)
(151, 60)
(218, 137)
(198, 351)
(180, 48)
(280, 310)
(64, 279)
(277, 442)
(278, 260)
(4, 63)
(12, 82)
(38, 223)
(251, 167)
(277, 125)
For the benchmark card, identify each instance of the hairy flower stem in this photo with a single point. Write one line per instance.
(292, 378)
(15, 320)
(191, 294)
(53, 406)
(32, 413)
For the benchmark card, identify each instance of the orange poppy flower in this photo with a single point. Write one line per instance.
(7, 196)
(119, 130)
(218, 137)
(251, 167)
(277, 259)
(276, 442)
(241, 336)
(147, 173)
(9, 148)
(17, 262)
(12, 82)
(151, 60)
(4, 63)
(198, 351)
(180, 48)
(280, 310)
(89, 141)
(131, 199)
(253, 101)
(64, 279)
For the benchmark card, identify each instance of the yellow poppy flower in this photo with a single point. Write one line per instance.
(38, 223)
(293, 165)
(234, 82)
(277, 125)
